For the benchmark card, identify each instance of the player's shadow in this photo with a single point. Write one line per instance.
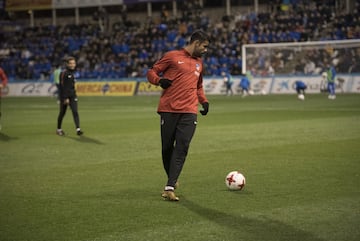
(5, 137)
(263, 225)
(86, 139)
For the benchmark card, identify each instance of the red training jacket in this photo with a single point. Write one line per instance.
(3, 77)
(186, 90)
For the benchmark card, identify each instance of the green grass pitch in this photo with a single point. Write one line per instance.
(301, 160)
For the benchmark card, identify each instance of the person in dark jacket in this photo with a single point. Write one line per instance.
(67, 95)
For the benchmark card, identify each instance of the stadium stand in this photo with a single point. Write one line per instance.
(127, 47)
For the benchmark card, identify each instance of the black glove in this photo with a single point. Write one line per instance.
(165, 83)
(205, 106)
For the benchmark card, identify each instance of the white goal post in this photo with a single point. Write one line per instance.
(301, 58)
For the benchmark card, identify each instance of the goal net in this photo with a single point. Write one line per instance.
(301, 58)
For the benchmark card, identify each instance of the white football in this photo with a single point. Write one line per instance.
(301, 97)
(235, 180)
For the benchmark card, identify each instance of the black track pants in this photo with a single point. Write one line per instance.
(177, 130)
(74, 108)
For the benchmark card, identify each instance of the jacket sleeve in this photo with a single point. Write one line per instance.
(154, 74)
(61, 85)
(200, 91)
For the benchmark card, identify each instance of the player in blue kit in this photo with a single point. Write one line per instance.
(228, 81)
(300, 88)
(244, 85)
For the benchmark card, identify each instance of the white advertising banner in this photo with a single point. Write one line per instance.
(212, 86)
(355, 88)
(260, 85)
(30, 89)
(217, 86)
(285, 85)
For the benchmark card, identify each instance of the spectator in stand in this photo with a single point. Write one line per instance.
(309, 67)
(164, 14)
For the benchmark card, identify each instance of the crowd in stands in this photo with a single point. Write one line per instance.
(128, 48)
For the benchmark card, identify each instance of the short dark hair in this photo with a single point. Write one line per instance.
(67, 59)
(199, 35)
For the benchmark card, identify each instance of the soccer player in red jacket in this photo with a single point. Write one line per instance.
(179, 73)
(3, 83)
(3, 78)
